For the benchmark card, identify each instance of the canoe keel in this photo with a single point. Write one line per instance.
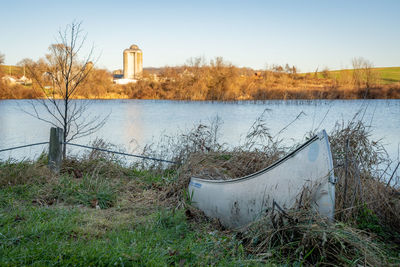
(308, 170)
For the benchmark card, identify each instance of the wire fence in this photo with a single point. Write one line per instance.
(93, 148)
(121, 153)
(17, 147)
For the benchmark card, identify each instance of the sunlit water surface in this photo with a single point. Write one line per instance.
(134, 123)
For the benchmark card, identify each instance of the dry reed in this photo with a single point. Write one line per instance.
(362, 193)
(302, 237)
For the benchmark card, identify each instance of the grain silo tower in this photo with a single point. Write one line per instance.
(133, 62)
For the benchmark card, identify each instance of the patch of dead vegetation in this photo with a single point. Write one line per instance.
(367, 203)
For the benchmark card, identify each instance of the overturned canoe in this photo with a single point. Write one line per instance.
(241, 201)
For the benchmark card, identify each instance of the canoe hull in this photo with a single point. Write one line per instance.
(241, 201)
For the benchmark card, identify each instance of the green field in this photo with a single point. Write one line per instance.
(386, 75)
(389, 75)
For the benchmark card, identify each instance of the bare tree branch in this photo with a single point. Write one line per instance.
(59, 78)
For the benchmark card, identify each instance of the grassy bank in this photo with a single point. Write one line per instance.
(108, 216)
(118, 218)
(98, 211)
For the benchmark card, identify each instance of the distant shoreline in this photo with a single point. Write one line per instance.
(225, 82)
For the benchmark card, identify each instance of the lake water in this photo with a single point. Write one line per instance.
(134, 123)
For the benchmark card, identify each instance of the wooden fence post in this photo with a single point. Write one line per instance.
(55, 149)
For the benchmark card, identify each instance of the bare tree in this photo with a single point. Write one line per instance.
(363, 73)
(357, 71)
(325, 73)
(59, 77)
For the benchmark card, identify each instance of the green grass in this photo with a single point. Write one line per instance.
(50, 220)
(68, 236)
(98, 213)
(387, 75)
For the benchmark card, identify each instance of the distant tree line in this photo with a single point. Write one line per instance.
(219, 80)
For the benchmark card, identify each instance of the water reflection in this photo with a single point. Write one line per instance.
(133, 130)
(146, 120)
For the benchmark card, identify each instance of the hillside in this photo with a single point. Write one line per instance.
(389, 75)
(386, 75)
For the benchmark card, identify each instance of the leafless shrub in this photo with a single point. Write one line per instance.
(363, 74)
(202, 138)
(362, 183)
(202, 154)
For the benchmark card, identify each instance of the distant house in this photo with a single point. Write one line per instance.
(9, 79)
(13, 80)
(118, 74)
(24, 80)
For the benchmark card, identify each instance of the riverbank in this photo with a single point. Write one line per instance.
(99, 212)
(288, 90)
(115, 216)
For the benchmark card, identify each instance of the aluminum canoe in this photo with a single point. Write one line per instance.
(241, 201)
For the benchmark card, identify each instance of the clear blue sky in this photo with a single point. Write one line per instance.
(307, 34)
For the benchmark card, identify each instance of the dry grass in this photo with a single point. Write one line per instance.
(299, 236)
(358, 162)
(201, 154)
(23, 173)
(362, 183)
(367, 206)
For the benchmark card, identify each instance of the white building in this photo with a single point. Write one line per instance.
(133, 65)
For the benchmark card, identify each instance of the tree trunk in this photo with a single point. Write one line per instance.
(65, 124)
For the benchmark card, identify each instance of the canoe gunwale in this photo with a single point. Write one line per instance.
(275, 164)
